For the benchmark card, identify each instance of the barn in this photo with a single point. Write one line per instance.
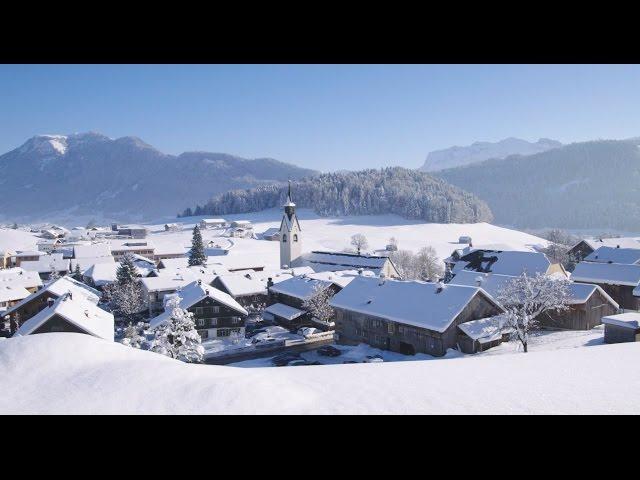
(407, 317)
(616, 279)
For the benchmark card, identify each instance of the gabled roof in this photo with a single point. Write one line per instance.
(87, 262)
(419, 304)
(78, 311)
(503, 262)
(484, 329)
(288, 223)
(102, 273)
(9, 293)
(301, 288)
(629, 256)
(94, 250)
(20, 277)
(326, 261)
(629, 319)
(622, 242)
(58, 288)
(47, 263)
(581, 293)
(194, 293)
(284, 311)
(239, 285)
(608, 273)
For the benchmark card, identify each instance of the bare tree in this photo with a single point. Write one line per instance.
(428, 265)
(525, 298)
(318, 303)
(359, 241)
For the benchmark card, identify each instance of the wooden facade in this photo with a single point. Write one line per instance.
(620, 334)
(583, 316)
(295, 302)
(469, 345)
(621, 294)
(580, 251)
(354, 327)
(32, 307)
(58, 324)
(216, 320)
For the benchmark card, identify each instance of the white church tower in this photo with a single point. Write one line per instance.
(290, 235)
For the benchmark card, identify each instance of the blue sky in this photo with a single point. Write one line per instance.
(327, 117)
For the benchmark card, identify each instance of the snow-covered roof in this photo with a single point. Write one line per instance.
(213, 220)
(82, 313)
(491, 283)
(194, 293)
(120, 245)
(412, 303)
(484, 329)
(342, 278)
(95, 250)
(47, 263)
(284, 311)
(212, 266)
(239, 223)
(20, 277)
(87, 262)
(326, 261)
(11, 293)
(302, 288)
(60, 287)
(29, 253)
(621, 242)
(102, 273)
(608, 273)
(165, 283)
(503, 262)
(629, 319)
(581, 292)
(239, 285)
(615, 255)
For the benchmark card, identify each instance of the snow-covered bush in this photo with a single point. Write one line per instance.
(318, 304)
(177, 337)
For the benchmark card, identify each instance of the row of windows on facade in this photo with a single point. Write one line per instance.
(220, 332)
(427, 340)
(212, 322)
(295, 238)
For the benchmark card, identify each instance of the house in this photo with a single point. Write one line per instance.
(482, 334)
(617, 280)
(155, 289)
(19, 277)
(47, 264)
(208, 223)
(245, 224)
(133, 231)
(629, 256)
(506, 263)
(172, 227)
(27, 256)
(215, 313)
(70, 313)
(85, 263)
(34, 303)
(99, 275)
(293, 293)
(248, 290)
(622, 328)
(48, 245)
(5, 258)
(587, 246)
(464, 239)
(587, 305)
(12, 294)
(407, 317)
(334, 261)
(119, 248)
(93, 250)
(271, 234)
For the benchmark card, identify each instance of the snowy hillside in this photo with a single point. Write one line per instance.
(480, 151)
(72, 373)
(55, 177)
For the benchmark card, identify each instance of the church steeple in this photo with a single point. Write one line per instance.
(290, 234)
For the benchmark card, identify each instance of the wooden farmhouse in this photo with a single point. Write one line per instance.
(408, 317)
(216, 314)
(587, 246)
(617, 280)
(72, 314)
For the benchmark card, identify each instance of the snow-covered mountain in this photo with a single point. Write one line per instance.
(53, 176)
(480, 151)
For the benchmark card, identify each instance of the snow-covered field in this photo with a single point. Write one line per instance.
(321, 233)
(70, 373)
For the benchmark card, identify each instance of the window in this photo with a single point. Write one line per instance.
(284, 238)
(213, 322)
(199, 311)
(295, 237)
(201, 322)
(204, 334)
(224, 332)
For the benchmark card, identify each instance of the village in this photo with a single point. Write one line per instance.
(198, 302)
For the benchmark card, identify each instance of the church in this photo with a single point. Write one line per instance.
(291, 254)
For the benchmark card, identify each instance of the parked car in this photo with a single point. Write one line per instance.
(329, 351)
(308, 331)
(298, 362)
(5, 333)
(258, 331)
(262, 338)
(284, 359)
(349, 361)
(374, 359)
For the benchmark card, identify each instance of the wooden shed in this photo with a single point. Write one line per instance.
(622, 328)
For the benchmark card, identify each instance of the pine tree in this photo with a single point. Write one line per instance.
(77, 274)
(127, 271)
(197, 255)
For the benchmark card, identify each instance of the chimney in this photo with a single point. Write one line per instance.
(617, 246)
(70, 295)
(360, 271)
(50, 302)
(269, 282)
(199, 281)
(479, 281)
(206, 291)
(440, 287)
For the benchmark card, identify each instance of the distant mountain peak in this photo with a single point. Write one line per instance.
(480, 151)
